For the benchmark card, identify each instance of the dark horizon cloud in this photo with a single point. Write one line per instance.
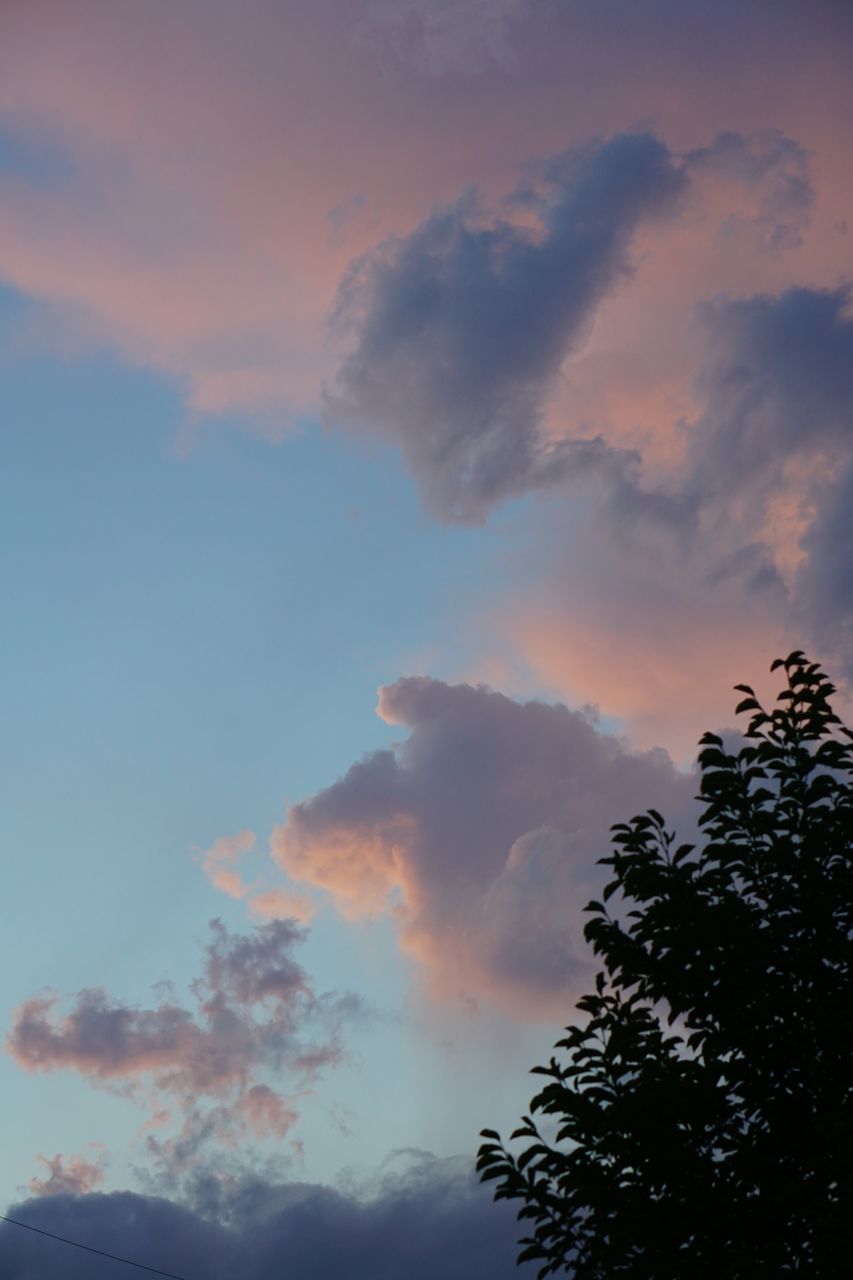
(480, 832)
(255, 1013)
(427, 1221)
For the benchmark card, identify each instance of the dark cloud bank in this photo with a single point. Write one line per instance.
(427, 1223)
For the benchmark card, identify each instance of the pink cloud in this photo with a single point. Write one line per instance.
(688, 586)
(479, 834)
(253, 1012)
(265, 1113)
(67, 1175)
(218, 175)
(193, 223)
(665, 672)
(278, 904)
(221, 862)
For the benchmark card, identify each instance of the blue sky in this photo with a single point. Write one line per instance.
(164, 683)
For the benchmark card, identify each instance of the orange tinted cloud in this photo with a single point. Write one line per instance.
(265, 1113)
(221, 865)
(218, 171)
(277, 904)
(666, 676)
(479, 834)
(654, 599)
(67, 1175)
(211, 179)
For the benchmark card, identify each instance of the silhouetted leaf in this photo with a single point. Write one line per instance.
(704, 1102)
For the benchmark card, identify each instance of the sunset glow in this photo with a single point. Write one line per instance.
(491, 359)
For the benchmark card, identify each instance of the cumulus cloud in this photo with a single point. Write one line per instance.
(741, 555)
(184, 215)
(254, 1014)
(653, 627)
(460, 328)
(480, 833)
(458, 331)
(772, 450)
(430, 1220)
(769, 465)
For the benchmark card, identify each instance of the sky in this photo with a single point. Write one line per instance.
(417, 415)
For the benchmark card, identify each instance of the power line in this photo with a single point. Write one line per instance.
(114, 1256)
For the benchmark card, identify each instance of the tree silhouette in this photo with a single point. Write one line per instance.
(699, 1120)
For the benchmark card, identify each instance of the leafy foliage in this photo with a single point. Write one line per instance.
(703, 1108)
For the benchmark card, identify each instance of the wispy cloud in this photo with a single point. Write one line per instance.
(253, 1014)
(221, 864)
(68, 1175)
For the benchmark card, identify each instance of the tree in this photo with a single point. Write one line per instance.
(699, 1119)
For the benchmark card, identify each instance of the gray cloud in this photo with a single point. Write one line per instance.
(458, 330)
(775, 436)
(824, 585)
(777, 383)
(775, 165)
(432, 1221)
(744, 555)
(767, 473)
